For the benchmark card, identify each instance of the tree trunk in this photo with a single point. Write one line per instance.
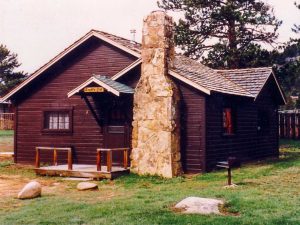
(233, 58)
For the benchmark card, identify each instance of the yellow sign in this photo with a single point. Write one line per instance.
(93, 89)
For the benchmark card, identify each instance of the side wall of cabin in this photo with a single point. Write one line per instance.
(192, 121)
(249, 141)
(49, 92)
(192, 128)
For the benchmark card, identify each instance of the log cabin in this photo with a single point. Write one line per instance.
(172, 113)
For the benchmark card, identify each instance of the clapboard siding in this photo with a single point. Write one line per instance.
(50, 92)
(247, 143)
(192, 128)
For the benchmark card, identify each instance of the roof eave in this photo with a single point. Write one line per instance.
(189, 82)
(58, 57)
(88, 82)
(277, 83)
(127, 69)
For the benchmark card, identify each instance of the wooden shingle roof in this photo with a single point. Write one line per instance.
(223, 81)
(207, 77)
(246, 82)
(132, 45)
(251, 79)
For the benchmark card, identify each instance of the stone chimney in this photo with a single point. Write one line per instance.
(156, 128)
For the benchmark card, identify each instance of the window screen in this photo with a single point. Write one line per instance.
(57, 121)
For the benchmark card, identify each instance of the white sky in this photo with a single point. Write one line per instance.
(37, 30)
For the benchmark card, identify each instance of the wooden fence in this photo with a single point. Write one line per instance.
(6, 121)
(289, 124)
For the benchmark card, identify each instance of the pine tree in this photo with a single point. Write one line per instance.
(227, 28)
(8, 76)
(288, 66)
(296, 27)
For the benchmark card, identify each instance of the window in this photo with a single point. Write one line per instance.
(228, 121)
(57, 121)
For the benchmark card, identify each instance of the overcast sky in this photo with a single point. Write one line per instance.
(37, 30)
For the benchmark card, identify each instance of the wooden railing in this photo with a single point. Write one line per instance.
(55, 150)
(6, 121)
(289, 125)
(109, 152)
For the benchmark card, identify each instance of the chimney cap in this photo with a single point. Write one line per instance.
(133, 32)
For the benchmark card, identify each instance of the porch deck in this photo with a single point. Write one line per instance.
(82, 170)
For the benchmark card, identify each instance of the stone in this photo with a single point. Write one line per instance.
(196, 205)
(82, 186)
(156, 117)
(31, 190)
(230, 186)
(77, 179)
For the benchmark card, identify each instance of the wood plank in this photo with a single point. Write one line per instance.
(37, 158)
(87, 171)
(109, 160)
(98, 160)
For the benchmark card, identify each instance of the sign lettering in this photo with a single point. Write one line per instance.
(93, 89)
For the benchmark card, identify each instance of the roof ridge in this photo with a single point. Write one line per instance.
(214, 75)
(251, 68)
(103, 32)
(234, 83)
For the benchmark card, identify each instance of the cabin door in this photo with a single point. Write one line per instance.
(117, 128)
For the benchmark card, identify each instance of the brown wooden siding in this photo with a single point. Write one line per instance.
(192, 129)
(192, 123)
(247, 143)
(50, 91)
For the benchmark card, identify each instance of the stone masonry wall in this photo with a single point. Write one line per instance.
(156, 128)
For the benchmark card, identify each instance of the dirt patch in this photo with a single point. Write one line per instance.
(10, 185)
(6, 144)
(6, 158)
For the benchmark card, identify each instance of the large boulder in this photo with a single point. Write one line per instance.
(86, 186)
(198, 205)
(31, 190)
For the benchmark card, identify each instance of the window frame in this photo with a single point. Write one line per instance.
(233, 121)
(57, 131)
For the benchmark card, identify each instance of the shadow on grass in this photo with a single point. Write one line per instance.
(255, 170)
(285, 160)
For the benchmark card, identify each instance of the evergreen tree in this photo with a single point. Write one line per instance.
(253, 56)
(228, 29)
(288, 67)
(8, 76)
(296, 27)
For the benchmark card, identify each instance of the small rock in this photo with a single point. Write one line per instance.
(230, 186)
(31, 190)
(199, 205)
(77, 179)
(86, 186)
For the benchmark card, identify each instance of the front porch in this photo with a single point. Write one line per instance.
(110, 170)
(81, 170)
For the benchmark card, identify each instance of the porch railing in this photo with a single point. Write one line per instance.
(6, 121)
(109, 152)
(55, 150)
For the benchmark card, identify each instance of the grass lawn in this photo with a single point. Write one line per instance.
(268, 192)
(6, 140)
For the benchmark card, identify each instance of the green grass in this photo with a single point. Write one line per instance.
(6, 140)
(268, 192)
(4, 133)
